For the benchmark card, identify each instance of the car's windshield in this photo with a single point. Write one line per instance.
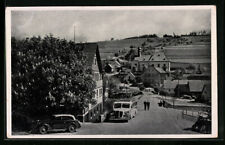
(126, 105)
(117, 105)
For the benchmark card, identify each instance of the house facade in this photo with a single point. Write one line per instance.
(170, 85)
(153, 76)
(158, 59)
(93, 111)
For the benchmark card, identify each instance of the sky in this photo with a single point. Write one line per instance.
(99, 25)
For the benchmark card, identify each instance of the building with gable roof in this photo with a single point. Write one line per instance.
(170, 85)
(158, 59)
(196, 87)
(154, 76)
(93, 111)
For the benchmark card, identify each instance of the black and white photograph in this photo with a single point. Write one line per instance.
(111, 72)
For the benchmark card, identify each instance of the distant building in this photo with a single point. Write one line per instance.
(130, 77)
(93, 111)
(125, 70)
(158, 59)
(206, 93)
(111, 66)
(153, 76)
(108, 68)
(181, 89)
(185, 87)
(170, 85)
(196, 87)
(199, 77)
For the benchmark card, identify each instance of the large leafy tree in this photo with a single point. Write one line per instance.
(48, 73)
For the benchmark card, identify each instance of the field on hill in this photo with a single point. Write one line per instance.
(109, 48)
(186, 47)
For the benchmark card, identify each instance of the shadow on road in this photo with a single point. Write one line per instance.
(116, 121)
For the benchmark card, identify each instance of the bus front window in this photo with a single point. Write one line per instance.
(126, 106)
(117, 105)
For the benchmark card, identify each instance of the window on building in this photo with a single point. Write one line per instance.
(158, 65)
(153, 65)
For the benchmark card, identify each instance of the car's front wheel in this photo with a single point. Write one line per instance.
(72, 128)
(43, 129)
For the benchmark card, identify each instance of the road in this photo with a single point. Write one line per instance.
(157, 120)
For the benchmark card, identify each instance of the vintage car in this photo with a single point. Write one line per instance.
(56, 122)
(203, 124)
(123, 110)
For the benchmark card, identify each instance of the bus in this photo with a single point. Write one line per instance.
(123, 110)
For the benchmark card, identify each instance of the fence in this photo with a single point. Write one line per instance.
(191, 115)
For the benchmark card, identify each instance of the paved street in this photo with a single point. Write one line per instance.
(157, 120)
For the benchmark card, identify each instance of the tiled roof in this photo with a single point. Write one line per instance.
(168, 84)
(143, 58)
(159, 56)
(90, 49)
(160, 70)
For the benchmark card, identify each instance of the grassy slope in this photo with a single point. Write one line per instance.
(200, 44)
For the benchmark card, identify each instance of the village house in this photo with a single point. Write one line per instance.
(170, 85)
(154, 76)
(158, 59)
(179, 88)
(111, 66)
(196, 87)
(93, 111)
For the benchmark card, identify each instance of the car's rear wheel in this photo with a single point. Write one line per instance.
(43, 129)
(72, 128)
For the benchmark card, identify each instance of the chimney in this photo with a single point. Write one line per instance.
(139, 51)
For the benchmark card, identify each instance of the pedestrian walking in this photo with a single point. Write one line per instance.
(145, 104)
(148, 104)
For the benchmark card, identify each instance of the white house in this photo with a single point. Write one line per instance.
(158, 59)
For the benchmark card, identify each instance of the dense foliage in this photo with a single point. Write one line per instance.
(49, 75)
(130, 55)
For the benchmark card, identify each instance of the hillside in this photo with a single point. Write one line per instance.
(199, 43)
